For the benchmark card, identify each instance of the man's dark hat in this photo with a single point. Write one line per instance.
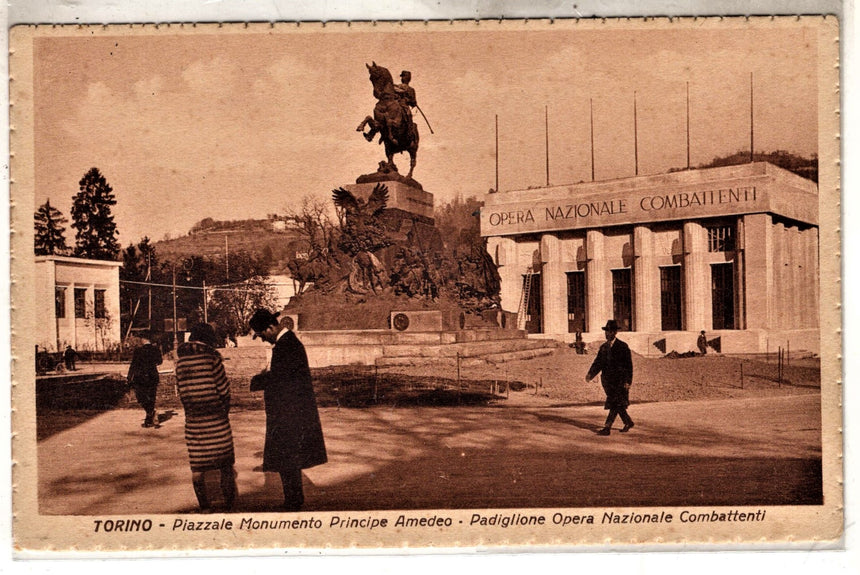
(262, 319)
(405, 73)
(611, 325)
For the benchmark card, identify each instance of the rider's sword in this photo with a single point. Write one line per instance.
(425, 117)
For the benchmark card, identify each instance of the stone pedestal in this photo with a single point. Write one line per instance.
(400, 196)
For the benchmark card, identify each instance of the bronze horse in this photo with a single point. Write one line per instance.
(391, 119)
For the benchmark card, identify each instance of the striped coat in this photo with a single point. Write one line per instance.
(205, 394)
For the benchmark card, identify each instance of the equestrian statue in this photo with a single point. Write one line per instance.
(392, 116)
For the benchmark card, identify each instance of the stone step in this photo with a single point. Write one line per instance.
(393, 337)
(472, 349)
(466, 361)
(488, 334)
(518, 355)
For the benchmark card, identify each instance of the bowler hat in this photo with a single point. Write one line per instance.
(262, 319)
(611, 325)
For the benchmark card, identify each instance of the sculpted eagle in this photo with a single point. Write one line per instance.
(357, 208)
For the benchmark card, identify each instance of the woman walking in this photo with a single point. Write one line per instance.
(205, 394)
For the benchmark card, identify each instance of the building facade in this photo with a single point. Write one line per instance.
(78, 303)
(732, 251)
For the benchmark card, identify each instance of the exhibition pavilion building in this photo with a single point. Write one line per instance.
(730, 250)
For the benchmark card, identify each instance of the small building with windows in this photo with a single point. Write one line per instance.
(731, 250)
(78, 303)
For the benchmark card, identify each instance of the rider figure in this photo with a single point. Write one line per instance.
(406, 94)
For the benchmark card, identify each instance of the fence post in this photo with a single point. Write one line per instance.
(779, 367)
(458, 377)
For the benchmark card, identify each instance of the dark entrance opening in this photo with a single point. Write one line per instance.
(723, 295)
(575, 302)
(533, 306)
(670, 298)
(622, 298)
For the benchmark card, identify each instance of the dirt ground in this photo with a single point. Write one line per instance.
(555, 380)
(506, 435)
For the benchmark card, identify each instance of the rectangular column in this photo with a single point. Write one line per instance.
(758, 272)
(646, 295)
(504, 252)
(598, 286)
(778, 301)
(553, 286)
(697, 294)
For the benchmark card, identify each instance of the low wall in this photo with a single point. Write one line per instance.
(731, 341)
(361, 347)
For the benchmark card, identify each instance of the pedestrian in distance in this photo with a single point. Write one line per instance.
(702, 343)
(205, 393)
(294, 438)
(615, 366)
(70, 356)
(143, 378)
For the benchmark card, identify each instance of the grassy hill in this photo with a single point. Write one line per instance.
(254, 236)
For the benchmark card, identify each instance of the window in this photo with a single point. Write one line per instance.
(670, 298)
(99, 303)
(575, 301)
(622, 298)
(721, 239)
(80, 302)
(723, 295)
(59, 302)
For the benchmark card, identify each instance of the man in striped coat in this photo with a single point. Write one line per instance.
(205, 393)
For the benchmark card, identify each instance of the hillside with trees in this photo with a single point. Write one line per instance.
(803, 167)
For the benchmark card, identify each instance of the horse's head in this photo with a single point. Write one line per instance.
(381, 79)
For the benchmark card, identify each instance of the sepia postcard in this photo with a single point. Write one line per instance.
(508, 284)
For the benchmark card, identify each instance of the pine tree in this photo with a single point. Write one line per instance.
(50, 238)
(96, 231)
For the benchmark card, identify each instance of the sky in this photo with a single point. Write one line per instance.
(240, 125)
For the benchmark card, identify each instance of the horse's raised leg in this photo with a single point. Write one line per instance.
(374, 128)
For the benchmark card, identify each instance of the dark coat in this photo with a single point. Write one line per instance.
(143, 371)
(616, 368)
(294, 438)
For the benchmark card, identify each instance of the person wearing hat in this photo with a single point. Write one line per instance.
(406, 95)
(294, 438)
(204, 389)
(143, 377)
(702, 343)
(615, 365)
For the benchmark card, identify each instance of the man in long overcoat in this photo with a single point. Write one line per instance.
(615, 365)
(143, 378)
(294, 438)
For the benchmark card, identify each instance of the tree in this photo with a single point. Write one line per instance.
(138, 265)
(230, 309)
(50, 238)
(313, 256)
(91, 214)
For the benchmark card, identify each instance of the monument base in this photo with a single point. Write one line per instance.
(401, 196)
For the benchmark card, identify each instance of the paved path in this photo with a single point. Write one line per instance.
(719, 452)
